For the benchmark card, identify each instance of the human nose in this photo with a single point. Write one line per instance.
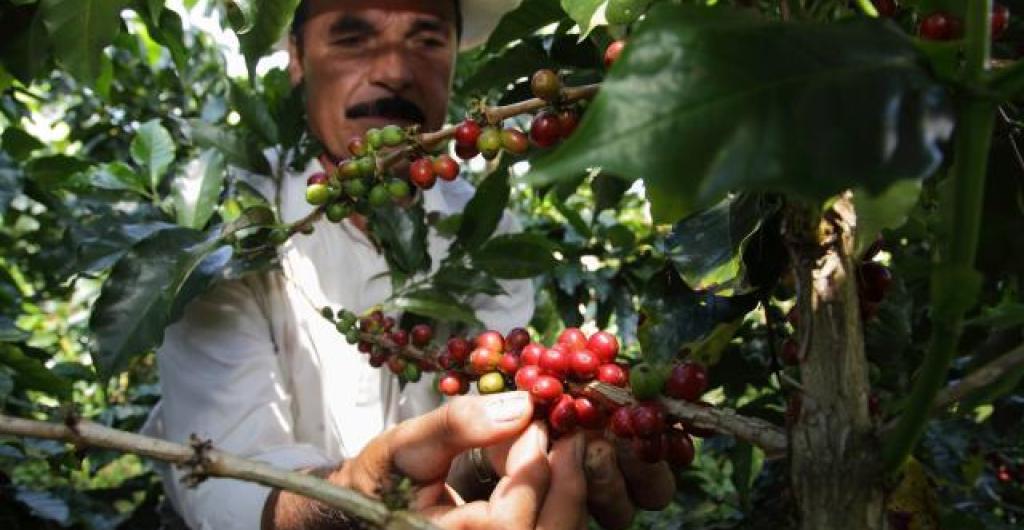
(391, 69)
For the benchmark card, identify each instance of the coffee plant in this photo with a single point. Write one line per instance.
(775, 244)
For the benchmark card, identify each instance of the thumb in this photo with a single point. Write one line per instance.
(423, 448)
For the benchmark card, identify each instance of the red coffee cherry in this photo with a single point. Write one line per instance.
(446, 168)
(584, 365)
(421, 334)
(936, 26)
(1000, 19)
(612, 52)
(396, 364)
(446, 360)
(357, 146)
(421, 173)
(651, 449)
(467, 133)
(514, 141)
(612, 374)
(687, 381)
(400, 337)
(568, 119)
(679, 449)
(604, 345)
(517, 339)
(648, 419)
(466, 152)
(378, 358)
(491, 340)
(555, 362)
(546, 389)
(622, 423)
(588, 415)
(527, 376)
(509, 363)
(453, 384)
(387, 324)
(545, 130)
(885, 8)
(459, 348)
(562, 417)
(482, 360)
(532, 353)
(573, 339)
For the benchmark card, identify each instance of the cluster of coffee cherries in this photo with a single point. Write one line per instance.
(1005, 470)
(559, 378)
(943, 26)
(345, 186)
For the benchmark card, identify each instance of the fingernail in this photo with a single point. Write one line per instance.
(510, 406)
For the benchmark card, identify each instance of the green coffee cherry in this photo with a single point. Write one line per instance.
(392, 136)
(352, 336)
(327, 313)
(278, 236)
(411, 373)
(375, 138)
(317, 194)
(646, 381)
(337, 212)
(367, 166)
(379, 196)
(491, 383)
(355, 188)
(399, 189)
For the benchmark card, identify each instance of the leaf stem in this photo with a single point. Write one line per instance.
(954, 283)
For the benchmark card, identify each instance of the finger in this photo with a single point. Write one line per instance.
(518, 496)
(651, 486)
(607, 497)
(424, 447)
(563, 507)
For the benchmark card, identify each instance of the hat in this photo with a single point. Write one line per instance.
(480, 17)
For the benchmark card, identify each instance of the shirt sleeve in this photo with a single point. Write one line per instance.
(221, 379)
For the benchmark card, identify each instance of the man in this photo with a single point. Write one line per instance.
(254, 367)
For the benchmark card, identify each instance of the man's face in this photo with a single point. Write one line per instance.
(369, 63)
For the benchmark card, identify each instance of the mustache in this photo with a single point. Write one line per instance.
(391, 107)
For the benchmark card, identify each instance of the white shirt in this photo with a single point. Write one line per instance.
(255, 368)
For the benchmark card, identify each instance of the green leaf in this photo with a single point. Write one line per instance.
(80, 30)
(582, 11)
(26, 51)
(142, 293)
(153, 148)
(708, 100)
(6, 385)
(118, 176)
(9, 332)
(18, 143)
(31, 374)
(483, 212)
(707, 247)
(55, 171)
(462, 280)
(237, 151)
(10, 182)
(515, 256)
(254, 112)
(608, 191)
(572, 216)
(677, 317)
(529, 17)
(198, 188)
(164, 26)
(434, 304)
(266, 21)
(402, 233)
(887, 210)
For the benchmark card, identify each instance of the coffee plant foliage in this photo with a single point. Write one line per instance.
(127, 166)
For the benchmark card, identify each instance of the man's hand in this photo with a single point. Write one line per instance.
(538, 490)
(618, 483)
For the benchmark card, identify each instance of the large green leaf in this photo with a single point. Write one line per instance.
(25, 49)
(18, 143)
(80, 30)
(530, 16)
(886, 210)
(582, 11)
(254, 112)
(143, 292)
(516, 256)
(54, 171)
(31, 374)
(402, 233)
(707, 247)
(197, 189)
(118, 176)
(266, 21)
(483, 212)
(164, 26)
(708, 100)
(153, 148)
(434, 304)
(238, 152)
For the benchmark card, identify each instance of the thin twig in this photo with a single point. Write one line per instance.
(215, 463)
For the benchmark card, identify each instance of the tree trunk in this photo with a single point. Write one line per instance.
(835, 464)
